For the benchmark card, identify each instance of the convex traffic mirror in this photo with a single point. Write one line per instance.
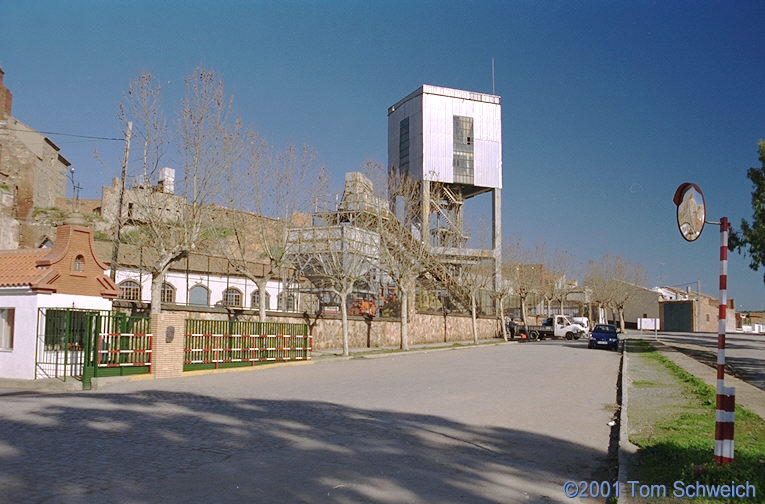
(691, 210)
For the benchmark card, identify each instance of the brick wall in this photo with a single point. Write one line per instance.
(167, 358)
(327, 331)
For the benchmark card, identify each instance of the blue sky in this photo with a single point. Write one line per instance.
(607, 106)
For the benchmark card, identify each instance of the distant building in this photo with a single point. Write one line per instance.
(32, 174)
(695, 312)
(153, 202)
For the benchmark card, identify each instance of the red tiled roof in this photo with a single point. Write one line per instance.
(18, 268)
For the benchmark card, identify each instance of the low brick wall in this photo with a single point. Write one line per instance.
(167, 354)
(327, 331)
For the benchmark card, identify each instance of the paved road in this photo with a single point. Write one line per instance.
(500, 423)
(744, 353)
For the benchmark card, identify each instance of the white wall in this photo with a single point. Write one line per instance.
(20, 362)
(215, 283)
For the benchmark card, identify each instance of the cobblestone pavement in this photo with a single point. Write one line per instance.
(496, 423)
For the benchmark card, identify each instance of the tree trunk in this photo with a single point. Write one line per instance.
(344, 313)
(262, 283)
(621, 318)
(475, 325)
(404, 320)
(156, 292)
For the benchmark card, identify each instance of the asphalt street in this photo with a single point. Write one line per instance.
(489, 424)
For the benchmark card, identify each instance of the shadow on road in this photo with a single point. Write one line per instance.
(159, 446)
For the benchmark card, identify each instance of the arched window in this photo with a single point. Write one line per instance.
(168, 293)
(232, 297)
(286, 302)
(199, 295)
(130, 290)
(79, 263)
(255, 301)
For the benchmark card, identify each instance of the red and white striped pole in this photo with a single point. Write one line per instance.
(726, 396)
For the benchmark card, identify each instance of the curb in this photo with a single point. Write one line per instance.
(627, 450)
(105, 382)
(41, 385)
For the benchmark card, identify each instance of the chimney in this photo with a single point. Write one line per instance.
(5, 98)
(167, 180)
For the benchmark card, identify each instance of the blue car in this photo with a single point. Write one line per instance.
(604, 336)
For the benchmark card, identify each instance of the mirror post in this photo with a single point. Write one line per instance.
(691, 217)
(725, 396)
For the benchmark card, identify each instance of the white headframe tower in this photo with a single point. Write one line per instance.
(450, 140)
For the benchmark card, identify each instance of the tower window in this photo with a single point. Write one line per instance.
(463, 157)
(403, 146)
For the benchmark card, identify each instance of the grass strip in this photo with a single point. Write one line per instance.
(682, 447)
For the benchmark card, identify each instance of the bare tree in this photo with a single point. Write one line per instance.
(476, 277)
(280, 188)
(597, 279)
(524, 273)
(558, 265)
(402, 264)
(547, 288)
(502, 292)
(174, 224)
(613, 281)
(625, 284)
(141, 104)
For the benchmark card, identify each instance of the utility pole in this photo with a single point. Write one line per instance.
(698, 303)
(118, 221)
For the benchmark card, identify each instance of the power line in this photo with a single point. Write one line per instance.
(71, 135)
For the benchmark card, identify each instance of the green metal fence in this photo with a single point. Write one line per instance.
(83, 344)
(213, 344)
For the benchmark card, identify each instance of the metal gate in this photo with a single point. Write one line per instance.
(678, 316)
(81, 344)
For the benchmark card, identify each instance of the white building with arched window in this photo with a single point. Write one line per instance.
(199, 280)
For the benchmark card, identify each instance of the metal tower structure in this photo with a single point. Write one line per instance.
(450, 142)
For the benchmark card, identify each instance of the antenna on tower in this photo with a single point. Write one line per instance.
(492, 76)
